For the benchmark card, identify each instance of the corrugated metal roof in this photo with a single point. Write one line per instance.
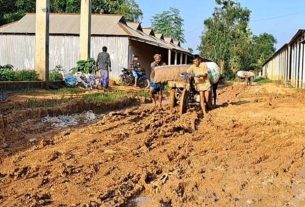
(67, 24)
(149, 31)
(177, 43)
(160, 36)
(168, 39)
(276, 53)
(135, 25)
(299, 33)
(102, 25)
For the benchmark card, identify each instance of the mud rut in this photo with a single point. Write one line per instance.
(165, 159)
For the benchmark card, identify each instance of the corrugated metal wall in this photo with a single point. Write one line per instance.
(277, 67)
(19, 50)
(288, 64)
(117, 48)
(297, 63)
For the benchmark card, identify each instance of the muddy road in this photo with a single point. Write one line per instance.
(247, 152)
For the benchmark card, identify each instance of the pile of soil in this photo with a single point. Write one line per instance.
(247, 152)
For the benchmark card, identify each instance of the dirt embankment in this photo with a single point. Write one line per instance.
(22, 128)
(248, 152)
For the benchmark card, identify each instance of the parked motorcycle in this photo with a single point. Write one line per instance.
(128, 78)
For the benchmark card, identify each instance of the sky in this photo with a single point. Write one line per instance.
(282, 18)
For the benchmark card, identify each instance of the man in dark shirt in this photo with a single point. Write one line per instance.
(103, 64)
(156, 88)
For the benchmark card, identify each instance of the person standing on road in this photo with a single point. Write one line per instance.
(156, 88)
(202, 81)
(103, 64)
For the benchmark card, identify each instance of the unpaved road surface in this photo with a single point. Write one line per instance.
(247, 152)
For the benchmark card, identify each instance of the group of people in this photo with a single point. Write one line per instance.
(199, 70)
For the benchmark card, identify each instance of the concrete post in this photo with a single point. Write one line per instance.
(181, 58)
(176, 58)
(42, 39)
(169, 57)
(85, 29)
(185, 58)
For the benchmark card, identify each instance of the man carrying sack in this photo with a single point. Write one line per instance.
(202, 82)
(156, 88)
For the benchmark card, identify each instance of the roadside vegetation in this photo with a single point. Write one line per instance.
(228, 40)
(7, 73)
(262, 81)
(105, 97)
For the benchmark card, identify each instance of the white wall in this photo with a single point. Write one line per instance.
(117, 48)
(19, 51)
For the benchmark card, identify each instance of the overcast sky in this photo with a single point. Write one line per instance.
(282, 18)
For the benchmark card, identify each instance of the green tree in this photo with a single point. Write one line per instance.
(263, 48)
(226, 37)
(129, 8)
(228, 40)
(170, 23)
(13, 10)
(190, 50)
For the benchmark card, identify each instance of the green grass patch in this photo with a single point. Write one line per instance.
(143, 93)
(105, 97)
(70, 91)
(49, 103)
(262, 81)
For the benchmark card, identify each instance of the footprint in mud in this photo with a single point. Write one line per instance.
(43, 200)
(126, 189)
(20, 173)
(54, 156)
(71, 170)
(166, 202)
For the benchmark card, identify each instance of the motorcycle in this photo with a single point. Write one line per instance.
(128, 77)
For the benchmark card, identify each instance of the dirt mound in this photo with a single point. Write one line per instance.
(244, 153)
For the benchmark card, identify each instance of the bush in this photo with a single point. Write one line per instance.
(7, 73)
(26, 75)
(86, 67)
(228, 75)
(56, 74)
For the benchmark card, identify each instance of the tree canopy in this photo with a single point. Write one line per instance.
(170, 23)
(14, 10)
(228, 39)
